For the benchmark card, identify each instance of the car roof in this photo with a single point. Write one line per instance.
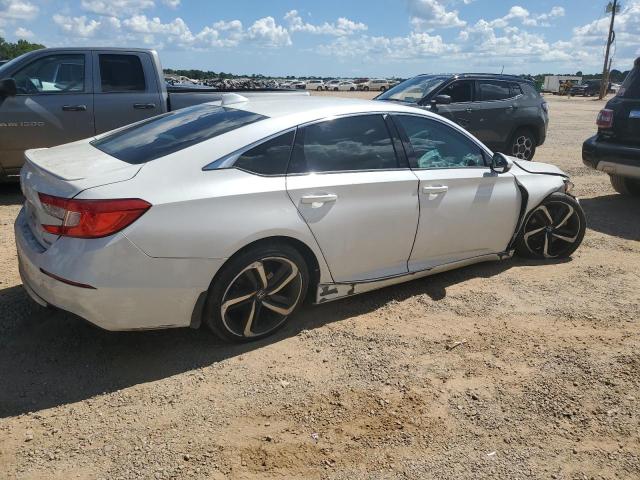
(301, 108)
(494, 76)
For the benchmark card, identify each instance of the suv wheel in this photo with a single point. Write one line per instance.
(523, 144)
(366, 89)
(256, 292)
(625, 185)
(382, 89)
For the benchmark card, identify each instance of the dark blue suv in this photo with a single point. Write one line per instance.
(505, 112)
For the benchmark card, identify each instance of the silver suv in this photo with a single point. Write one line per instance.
(505, 112)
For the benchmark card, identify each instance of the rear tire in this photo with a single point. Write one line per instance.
(523, 144)
(625, 185)
(351, 89)
(256, 292)
(554, 229)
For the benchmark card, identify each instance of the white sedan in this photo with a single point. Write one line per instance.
(231, 213)
(344, 87)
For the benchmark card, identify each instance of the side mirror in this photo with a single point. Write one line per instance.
(443, 99)
(8, 87)
(500, 163)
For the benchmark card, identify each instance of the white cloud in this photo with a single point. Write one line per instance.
(526, 18)
(341, 27)
(116, 7)
(268, 33)
(77, 26)
(22, 32)
(17, 10)
(430, 14)
(171, 3)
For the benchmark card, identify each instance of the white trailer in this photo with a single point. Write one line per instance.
(552, 82)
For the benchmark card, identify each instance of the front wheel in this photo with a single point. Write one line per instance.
(625, 185)
(319, 88)
(523, 144)
(554, 229)
(351, 89)
(256, 292)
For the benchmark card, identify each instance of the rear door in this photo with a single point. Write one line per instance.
(495, 111)
(356, 194)
(54, 105)
(126, 89)
(461, 106)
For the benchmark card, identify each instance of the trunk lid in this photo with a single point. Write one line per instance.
(65, 171)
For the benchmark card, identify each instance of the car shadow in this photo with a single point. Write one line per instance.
(615, 215)
(51, 358)
(10, 194)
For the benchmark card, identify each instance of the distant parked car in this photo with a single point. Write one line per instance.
(345, 87)
(504, 111)
(299, 84)
(315, 85)
(331, 84)
(615, 149)
(589, 88)
(227, 215)
(380, 85)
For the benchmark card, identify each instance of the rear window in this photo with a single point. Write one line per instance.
(121, 73)
(169, 133)
(631, 86)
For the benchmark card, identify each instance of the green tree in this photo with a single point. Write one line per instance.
(9, 50)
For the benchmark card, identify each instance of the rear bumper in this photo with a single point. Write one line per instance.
(612, 158)
(131, 291)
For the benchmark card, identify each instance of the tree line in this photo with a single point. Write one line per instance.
(9, 50)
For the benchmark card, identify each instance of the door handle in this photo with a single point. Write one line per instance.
(74, 108)
(322, 198)
(434, 190)
(144, 106)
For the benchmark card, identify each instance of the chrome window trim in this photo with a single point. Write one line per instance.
(228, 160)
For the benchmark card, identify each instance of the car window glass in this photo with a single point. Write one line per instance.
(459, 91)
(52, 74)
(350, 143)
(268, 158)
(631, 85)
(515, 89)
(493, 90)
(121, 73)
(165, 134)
(437, 145)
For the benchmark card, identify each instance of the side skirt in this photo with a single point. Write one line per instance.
(328, 292)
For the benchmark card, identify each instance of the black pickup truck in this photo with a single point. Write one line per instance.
(615, 149)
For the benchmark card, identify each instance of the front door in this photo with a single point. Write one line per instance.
(465, 209)
(357, 196)
(461, 107)
(54, 105)
(126, 89)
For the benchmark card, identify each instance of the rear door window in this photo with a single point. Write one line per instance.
(268, 158)
(489, 90)
(349, 143)
(169, 133)
(121, 73)
(631, 86)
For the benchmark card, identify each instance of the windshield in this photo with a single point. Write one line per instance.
(7, 66)
(414, 89)
(168, 133)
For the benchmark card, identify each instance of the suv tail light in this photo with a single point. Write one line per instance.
(605, 118)
(91, 218)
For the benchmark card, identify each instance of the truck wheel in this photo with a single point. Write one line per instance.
(523, 144)
(625, 185)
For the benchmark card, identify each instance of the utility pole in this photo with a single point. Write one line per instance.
(610, 39)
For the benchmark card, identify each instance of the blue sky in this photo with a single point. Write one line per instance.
(339, 37)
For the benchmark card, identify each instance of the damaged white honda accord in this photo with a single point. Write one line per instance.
(231, 214)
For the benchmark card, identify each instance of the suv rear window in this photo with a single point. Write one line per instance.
(489, 90)
(121, 73)
(168, 133)
(631, 86)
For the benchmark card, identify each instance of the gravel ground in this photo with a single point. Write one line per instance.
(517, 369)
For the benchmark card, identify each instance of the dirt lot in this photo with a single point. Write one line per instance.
(546, 383)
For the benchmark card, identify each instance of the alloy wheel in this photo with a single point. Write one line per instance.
(552, 229)
(261, 297)
(522, 147)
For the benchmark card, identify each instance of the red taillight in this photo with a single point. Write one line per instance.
(605, 118)
(91, 218)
